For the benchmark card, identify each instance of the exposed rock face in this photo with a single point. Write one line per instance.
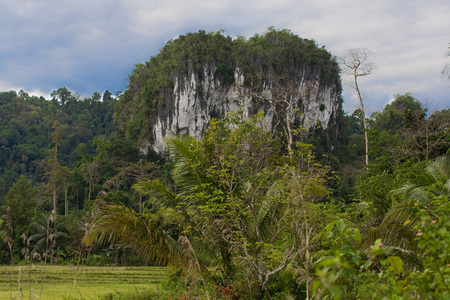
(194, 101)
(202, 75)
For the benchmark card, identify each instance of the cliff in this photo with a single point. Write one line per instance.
(200, 76)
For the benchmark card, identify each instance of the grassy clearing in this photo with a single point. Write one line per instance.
(91, 282)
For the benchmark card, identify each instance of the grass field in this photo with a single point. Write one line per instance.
(91, 282)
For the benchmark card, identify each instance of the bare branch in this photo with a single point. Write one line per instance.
(357, 66)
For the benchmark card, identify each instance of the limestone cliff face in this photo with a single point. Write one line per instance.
(194, 101)
(202, 75)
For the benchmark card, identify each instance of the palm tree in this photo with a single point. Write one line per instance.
(235, 201)
(138, 231)
(397, 230)
(49, 230)
(142, 233)
(145, 235)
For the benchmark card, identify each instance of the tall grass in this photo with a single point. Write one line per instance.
(91, 283)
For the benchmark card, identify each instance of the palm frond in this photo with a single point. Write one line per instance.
(411, 193)
(272, 192)
(439, 169)
(271, 210)
(118, 223)
(399, 227)
(183, 153)
(158, 192)
(410, 258)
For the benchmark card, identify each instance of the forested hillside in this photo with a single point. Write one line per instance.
(27, 124)
(246, 211)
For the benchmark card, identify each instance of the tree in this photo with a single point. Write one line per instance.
(238, 199)
(62, 94)
(426, 135)
(48, 230)
(64, 176)
(107, 96)
(446, 69)
(390, 148)
(96, 96)
(90, 173)
(22, 203)
(356, 61)
(394, 115)
(283, 95)
(407, 258)
(398, 227)
(17, 213)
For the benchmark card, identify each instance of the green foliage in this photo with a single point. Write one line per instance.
(20, 205)
(433, 237)
(373, 188)
(236, 201)
(397, 228)
(322, 107)
(404, 130)
(345, 270)
(174, 282)
(287, 54)
(402, 138)
(26, 128)
(394, 115)
(336, 266)
(117, 223)
(49, 230)
(242, 217)
(284, 285)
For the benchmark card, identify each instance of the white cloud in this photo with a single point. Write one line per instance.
(4, 86)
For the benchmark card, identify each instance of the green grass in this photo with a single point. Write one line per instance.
(91, 282)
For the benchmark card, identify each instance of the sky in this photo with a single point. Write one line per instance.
(93, 45)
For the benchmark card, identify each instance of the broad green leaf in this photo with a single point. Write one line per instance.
(397, 263)
(340, 225)
(329, 227)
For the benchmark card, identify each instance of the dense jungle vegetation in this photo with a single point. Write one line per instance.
(236, 214)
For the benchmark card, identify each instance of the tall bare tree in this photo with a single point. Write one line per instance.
(446, 69)
(90, 172)
(284, 96)
(356, 62)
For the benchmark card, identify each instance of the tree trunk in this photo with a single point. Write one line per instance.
(54, 198)
(66, 203)
(366, 137)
